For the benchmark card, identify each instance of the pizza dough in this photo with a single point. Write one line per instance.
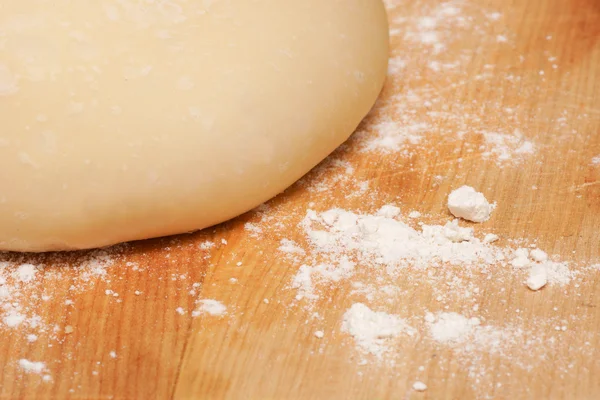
(131, 119)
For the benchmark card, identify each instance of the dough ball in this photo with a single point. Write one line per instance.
(125, 119)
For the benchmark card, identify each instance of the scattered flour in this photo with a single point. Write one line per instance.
(23, 292)
(450, 327)
(206, 245)
(372, 330)
(371, 257)
(26, 272)
(303, 282)
(557, 272)
(34, 367)
(541, 269)
(255, 231)
(321, 273)
(419, 386)
(340, 240)
(209, 306)
(472, 341)
(291, 247)
(13, 319)
(506, 147)
(391, 242)
(416, 118)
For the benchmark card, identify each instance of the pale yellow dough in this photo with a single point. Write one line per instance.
(131, 119)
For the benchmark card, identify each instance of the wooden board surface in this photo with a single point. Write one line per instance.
(501, 95)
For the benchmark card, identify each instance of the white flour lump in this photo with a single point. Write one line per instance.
(467, 203)
(157, 118)
(538, 277)
(539, 255)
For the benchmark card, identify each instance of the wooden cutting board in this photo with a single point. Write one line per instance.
(501, 95)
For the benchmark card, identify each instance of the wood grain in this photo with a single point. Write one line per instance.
(268, 350)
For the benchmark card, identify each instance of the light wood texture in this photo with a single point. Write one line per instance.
(261, 350)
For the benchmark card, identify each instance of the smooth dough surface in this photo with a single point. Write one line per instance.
(130, 119)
